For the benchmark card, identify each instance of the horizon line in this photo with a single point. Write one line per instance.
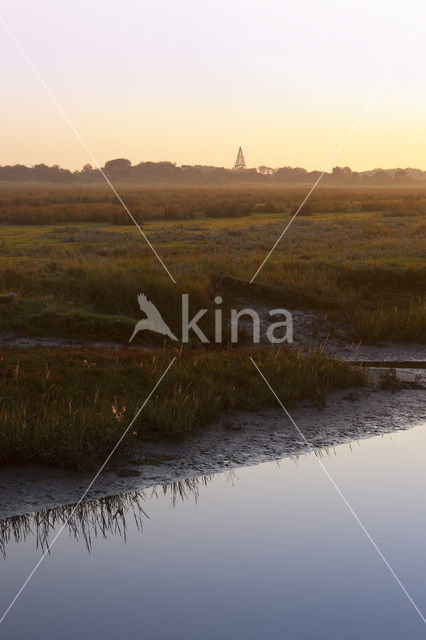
(209, 166)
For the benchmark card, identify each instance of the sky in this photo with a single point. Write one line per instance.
(191, 81)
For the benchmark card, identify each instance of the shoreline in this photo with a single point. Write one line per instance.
(239, 440)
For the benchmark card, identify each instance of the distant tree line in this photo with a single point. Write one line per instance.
(121, 169)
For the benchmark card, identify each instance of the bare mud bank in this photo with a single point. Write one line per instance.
(311, 330)
(10, 340)
(241, 439)
(315, 330)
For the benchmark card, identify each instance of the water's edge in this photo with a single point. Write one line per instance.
(243, 439)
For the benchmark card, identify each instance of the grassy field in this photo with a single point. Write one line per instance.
(359, 256)
(48, 204)
(78, 279)
(70, 407)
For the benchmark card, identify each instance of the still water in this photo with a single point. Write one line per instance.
(268, 551)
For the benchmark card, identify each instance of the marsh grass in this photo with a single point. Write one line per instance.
(26, 204)
(398, 323)
(71, 266)
(80, 281)
(360, 255)
(69, 407)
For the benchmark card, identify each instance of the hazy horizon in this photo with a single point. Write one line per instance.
(193, 82)
(229, 167)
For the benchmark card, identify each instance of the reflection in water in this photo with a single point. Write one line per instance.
(110, 515)
(95, 518)
(247, 560)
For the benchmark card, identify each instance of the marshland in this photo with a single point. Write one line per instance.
(212, 338)
(72, 265)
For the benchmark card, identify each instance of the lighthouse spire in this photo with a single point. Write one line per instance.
(240, 163)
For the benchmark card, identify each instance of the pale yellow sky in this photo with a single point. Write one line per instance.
(191, 81)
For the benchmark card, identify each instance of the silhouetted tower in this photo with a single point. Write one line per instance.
(240, 164)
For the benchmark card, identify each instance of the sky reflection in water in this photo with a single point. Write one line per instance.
(266, 551)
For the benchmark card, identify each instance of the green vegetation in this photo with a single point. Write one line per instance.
(359, 255)
(400, 323)
(67, 269)
(70, 407)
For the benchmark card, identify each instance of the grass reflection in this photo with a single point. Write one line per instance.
(94, 519)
